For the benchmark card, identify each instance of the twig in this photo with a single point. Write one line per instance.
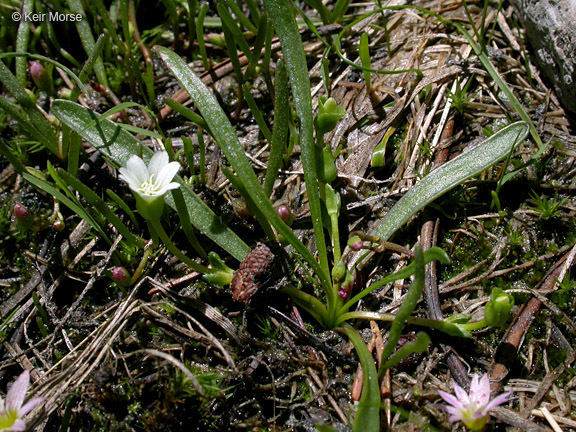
(428, 239)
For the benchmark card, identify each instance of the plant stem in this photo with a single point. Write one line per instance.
(157, 228)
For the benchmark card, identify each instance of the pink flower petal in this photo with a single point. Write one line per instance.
(29, 406)
(482, 395)
(498, 400)
(17, 392)
(461, 394)
(451, 399)
(18, 426)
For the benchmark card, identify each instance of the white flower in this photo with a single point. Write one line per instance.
(474, 408)
(152, 181)
(11, 410)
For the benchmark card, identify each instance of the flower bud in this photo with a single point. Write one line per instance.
(65, 93)
(329, 112)
(121, 276)
(42, 77)
(332, 201)
(285, 214)
(355, 243)
(338, 272)
(497, 310)
(58, 225)
(20, 212)
(325, 166)
(23, 217)
(221, 274)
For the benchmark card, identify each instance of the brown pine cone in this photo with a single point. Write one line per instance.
(251, 272)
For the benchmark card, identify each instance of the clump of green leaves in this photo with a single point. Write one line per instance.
(548, 208)
(459, 96)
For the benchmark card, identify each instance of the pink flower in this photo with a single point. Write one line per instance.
(11, 410)
(472, 408)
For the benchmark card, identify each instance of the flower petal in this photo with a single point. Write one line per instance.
(158, 161)
(461, 394)
(451, 399)
(135, 173)
(167, 173)
(454, 412)
(498, 400)
(17, 392)
(482, 395)
(18, 426)
(171, 186)
(454, 418)
(29, 406)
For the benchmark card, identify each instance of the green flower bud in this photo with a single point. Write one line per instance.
(328, 115)
(338, 272)
(332, 201)
(325, 165)
(355, 243)
(65, 93)
(497, 310)
(460, 318)
(221, 274)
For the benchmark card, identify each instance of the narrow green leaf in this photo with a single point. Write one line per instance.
(257, 47)
(87, 39)
(22, 38)
(74, 149)
(240, 17)
(367, 418)
(250, 205)
(258, 117)
(187, 113)
(63, 199)
(451, 174)
(416, 346)
(432, 254)
(308, 302)
(122, 204)
(406, 308)
(233, 37)
(282, 17)
(186, 223)
(200, 36)
(364, 52)
(279, 141)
